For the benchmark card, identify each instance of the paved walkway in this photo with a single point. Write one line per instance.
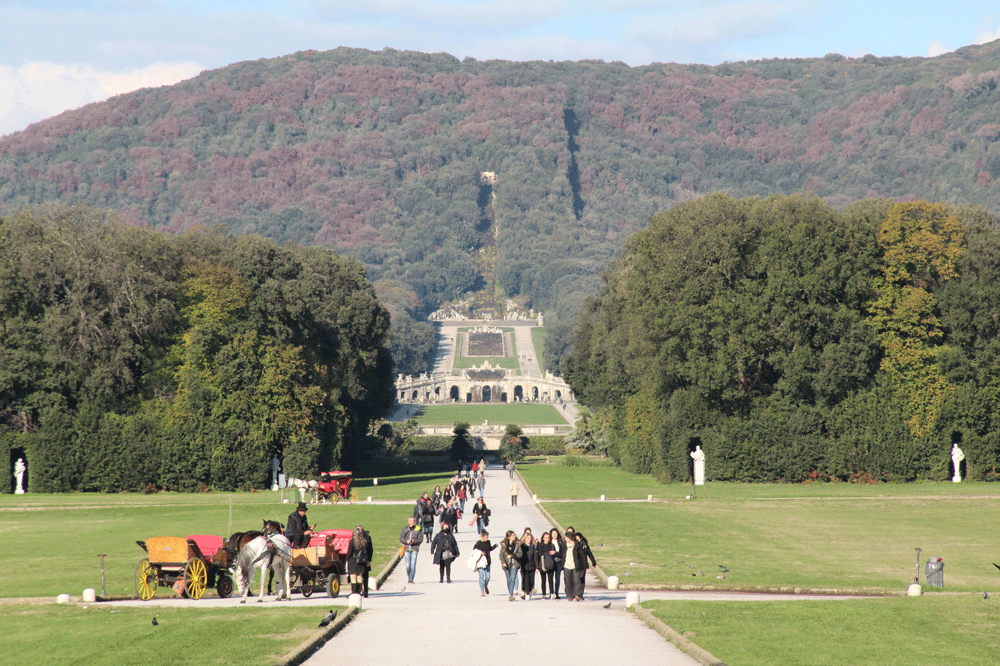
(428, 622)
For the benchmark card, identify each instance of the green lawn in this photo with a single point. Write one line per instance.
(56, 538)
(910, 631)
(509, 362)
(817, 536)
(499, 414)
(41, 635)
(538, 336)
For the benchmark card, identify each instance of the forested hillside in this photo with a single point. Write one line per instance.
(796, 342)
(379, 155)
(132, 360)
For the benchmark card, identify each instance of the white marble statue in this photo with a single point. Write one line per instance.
(19, 469)
(956, 458)
(699, 465)
(275, 464)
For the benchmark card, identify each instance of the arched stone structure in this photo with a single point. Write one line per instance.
(484, 384)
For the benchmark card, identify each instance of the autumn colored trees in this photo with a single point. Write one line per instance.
(129, 359)
(794, 341)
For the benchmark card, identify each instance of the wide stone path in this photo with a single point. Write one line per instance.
(428, 622)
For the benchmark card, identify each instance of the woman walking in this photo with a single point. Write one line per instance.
(529, 556)
(546, 564)
(483, 568)
(357, 560)
(558, 555)
(436, 498)
(510, 560)
(444, 548)
(581, 553)
(482, 519)
(569, 564)
(449, 516)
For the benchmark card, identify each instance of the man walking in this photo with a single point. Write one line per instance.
(513, 492)
(411, 537)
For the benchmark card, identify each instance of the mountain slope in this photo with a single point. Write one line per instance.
(380, 155)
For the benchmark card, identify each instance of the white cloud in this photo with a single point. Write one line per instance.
(717, 22)
(937, 48)
(38, 90)
(984, 34)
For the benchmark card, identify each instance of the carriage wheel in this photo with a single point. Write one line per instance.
(354, 497)
(224, 586)
(333, 585)
(145, 580)
(334, 497)
(195, 578)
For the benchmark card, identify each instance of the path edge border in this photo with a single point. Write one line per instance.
(691, 648)
(306, 649)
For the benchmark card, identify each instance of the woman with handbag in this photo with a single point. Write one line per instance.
(510, 560)
(529, 557)
(546, 564)
(483, 565)
(444, 548)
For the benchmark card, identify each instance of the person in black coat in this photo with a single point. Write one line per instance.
(558, 555)
(581, 553)
(444, 548)
(529, 562)
(449, 515)
(297, 528)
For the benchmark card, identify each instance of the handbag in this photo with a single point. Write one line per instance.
(448, 554)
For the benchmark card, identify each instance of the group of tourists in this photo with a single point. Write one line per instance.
(550, 562)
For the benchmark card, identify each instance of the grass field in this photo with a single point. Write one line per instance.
(959, 630)
(98, 634)
(56, 538)
(817, 536)
(500, 414)
(538, 336)
(509, 362)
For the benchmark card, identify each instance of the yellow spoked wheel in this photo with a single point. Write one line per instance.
(145, 580)
(195, 578)
(333, 585)
(354, 497)
(334, 497)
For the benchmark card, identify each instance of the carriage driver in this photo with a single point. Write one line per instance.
(297, 530)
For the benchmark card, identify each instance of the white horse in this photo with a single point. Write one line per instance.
(273, 548)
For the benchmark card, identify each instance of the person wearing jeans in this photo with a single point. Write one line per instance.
(510, 560)
(411, 538)
(483, 569)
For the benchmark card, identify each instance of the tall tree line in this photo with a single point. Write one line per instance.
(794, 341)
(130, 359)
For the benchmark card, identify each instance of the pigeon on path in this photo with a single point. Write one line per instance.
(607, 605)
(328, 619)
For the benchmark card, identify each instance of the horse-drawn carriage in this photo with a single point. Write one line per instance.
(321, 563)
(335, 486)
(188, 564)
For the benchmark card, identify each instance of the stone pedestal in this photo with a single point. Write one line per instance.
(90, 595)
(354, 601)
(612, 582)
(914, 590)
(62, 599)
(631, 599)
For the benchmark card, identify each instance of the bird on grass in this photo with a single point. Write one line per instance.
(986, 595)
(607, 605)
(155, 623)
(328, 619)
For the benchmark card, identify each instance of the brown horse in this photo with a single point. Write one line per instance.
(236, 542)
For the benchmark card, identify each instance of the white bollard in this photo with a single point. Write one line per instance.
(602, 498)
(62, 599)
(914, 590)
(90, 595)
(284, 501)
(649, 498)
(354, 601)
(369, 499)
(612, 582)
(631, 599)
(534, 498)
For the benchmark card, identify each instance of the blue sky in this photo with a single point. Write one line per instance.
(57, 55)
